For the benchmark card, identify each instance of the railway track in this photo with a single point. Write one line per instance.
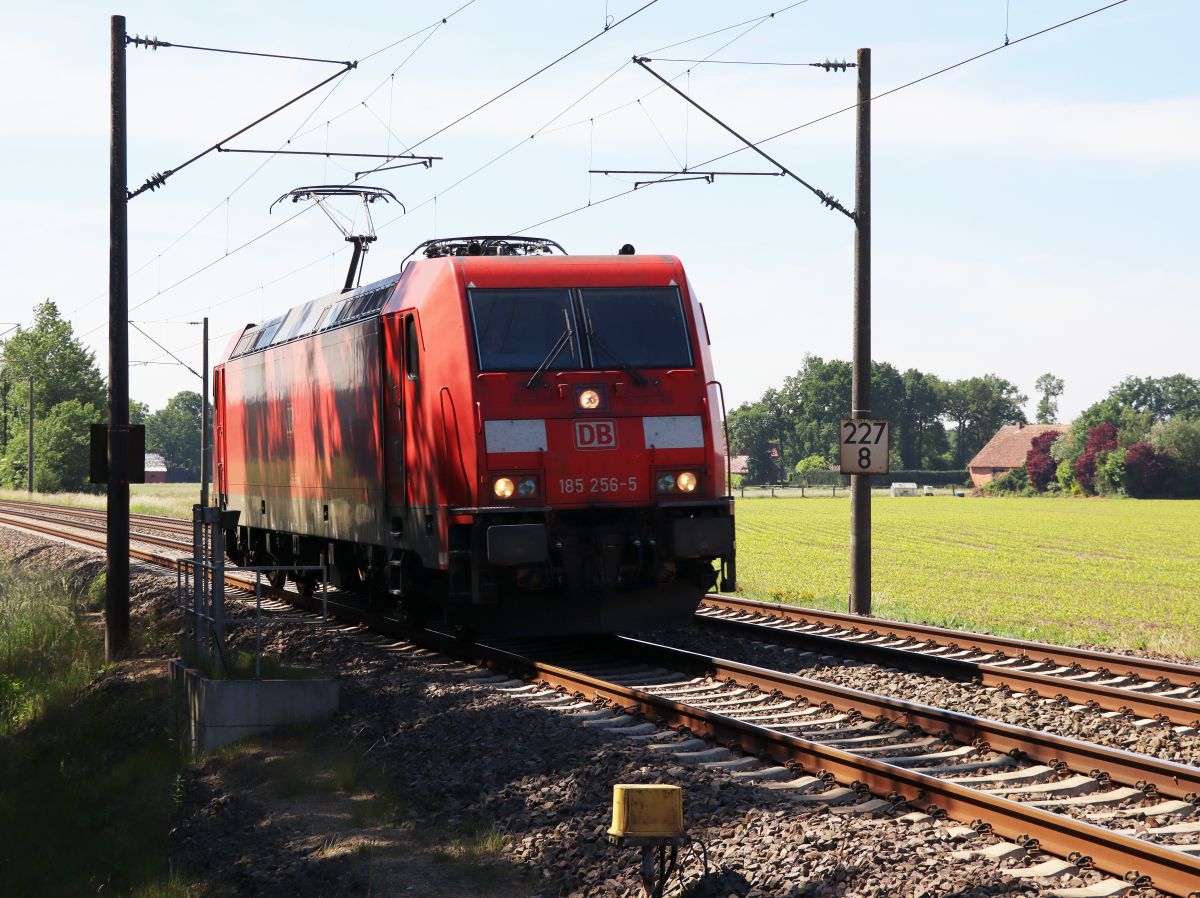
(1150, 689)
(1024, 785)
(1130, 816)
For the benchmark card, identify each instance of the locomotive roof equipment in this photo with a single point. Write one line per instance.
(362, 242)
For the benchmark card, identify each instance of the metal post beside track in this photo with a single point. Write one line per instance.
(202, 581)
(860, 400)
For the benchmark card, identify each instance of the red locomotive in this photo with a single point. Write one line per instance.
(527, 442)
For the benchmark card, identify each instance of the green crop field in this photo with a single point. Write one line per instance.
(1119, 572)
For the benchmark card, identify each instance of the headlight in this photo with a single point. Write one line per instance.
(666, 483)
(589, 399)
(527, 487)
(686, 482)
(503, 488)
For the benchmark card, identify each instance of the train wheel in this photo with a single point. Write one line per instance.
(306, 584)
(277, 579)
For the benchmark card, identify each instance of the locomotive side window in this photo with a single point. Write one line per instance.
(521, 329)
(411, 344)
(267, 332)
(639, 326)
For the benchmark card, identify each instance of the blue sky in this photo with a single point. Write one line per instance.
(1033, 211)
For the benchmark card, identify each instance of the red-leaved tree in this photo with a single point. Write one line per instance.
(1145, 469)
(1101, 438)
(1038, 463)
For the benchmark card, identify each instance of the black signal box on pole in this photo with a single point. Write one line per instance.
(135, 457)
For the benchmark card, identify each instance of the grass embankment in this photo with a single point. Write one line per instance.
(174, 500)
(90, 772)
(1118, 572)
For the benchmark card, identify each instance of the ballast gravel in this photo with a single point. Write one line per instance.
(462, 750)
(1157, 739)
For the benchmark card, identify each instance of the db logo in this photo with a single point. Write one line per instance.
(595, 435)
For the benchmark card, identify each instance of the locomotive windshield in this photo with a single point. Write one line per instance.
(610, 327)
(515, 330)
(639, 326)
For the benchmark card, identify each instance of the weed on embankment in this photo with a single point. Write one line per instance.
(90, 769)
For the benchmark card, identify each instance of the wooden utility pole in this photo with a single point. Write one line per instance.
(116, 592)
(860, 391)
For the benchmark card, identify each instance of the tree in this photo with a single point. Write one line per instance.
(68, 392)
(1101, 440)
(924, 400)
(1145, 470)
(138, 412)
(978, 406)
(61, 440)
(1050, 388)
(749, 435)
(812, 402)
(61, 447)
(61, 366)
(806, 467)
(1039, 464)
(174, 432)
(1178, 441)
(1161, 398)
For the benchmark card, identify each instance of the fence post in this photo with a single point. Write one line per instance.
(216, 546)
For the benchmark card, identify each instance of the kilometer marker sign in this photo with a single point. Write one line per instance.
(864, 446)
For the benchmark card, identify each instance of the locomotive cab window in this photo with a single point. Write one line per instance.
(639, 326)
(411, 362)
(524, 329)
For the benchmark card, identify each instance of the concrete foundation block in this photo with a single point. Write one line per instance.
(213, 713)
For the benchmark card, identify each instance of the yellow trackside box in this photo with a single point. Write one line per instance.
(647, 812)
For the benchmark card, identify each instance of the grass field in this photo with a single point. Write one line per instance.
(171, 499)
(1119, 572)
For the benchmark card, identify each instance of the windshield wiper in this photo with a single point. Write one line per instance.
(559, 346)
(633, 372)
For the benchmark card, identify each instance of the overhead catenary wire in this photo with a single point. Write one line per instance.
(411, 147)
(432, 27)
(528, 78)
(824, 197)
(153, 43)
(725, 28)
(828, 65)
(159, 178)
(753, 23)
(164, 349)
(546, 128)
(837, 112)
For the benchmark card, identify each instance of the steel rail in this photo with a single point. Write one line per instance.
(1144, 668)
(1167, 777)
(14, 520)
(1174, 872)
(1184, 712)
(167, 523)
(99, 528)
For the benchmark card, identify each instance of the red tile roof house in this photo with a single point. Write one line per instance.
(1007, 450)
